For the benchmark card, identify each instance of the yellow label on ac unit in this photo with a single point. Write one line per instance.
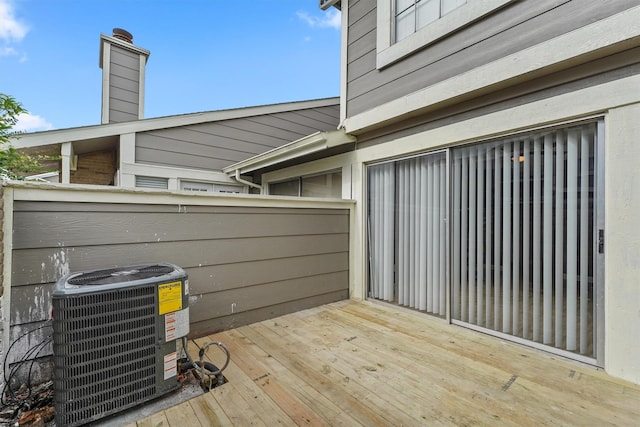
(169, 297)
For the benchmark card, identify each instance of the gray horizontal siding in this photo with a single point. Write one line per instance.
(362, 18)
(240, 260)
(31, 303)
(124, 64)
(116, 116)
(593, 73)
(247, 299)
(212, 146)
(326, 118)
(124, 106)
(123, 227)
(124, 85)
(155, 156)
(234, 320)
(32, 335)
(43, 265)
(514, 28)
(124, 57)
(245, 264)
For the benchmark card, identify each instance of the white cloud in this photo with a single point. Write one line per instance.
(330, 19)
(11, 31)
(31, 123)
(7, 51)
(10, 28)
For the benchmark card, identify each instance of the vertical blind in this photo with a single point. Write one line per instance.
(407, 208)
(381, 230)
(523, 242)
(521, 235)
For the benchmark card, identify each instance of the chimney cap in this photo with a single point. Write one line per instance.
(121, 34)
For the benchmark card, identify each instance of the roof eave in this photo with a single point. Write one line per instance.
(58, 136)
(309, 144)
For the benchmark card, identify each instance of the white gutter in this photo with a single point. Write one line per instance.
(309, 144)
(245, 182)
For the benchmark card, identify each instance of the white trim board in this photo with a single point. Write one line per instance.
(105, 39)
(26, 191)
(344, 45)
(7, 261)
(105, 64)
(616, 33)
(173, 172)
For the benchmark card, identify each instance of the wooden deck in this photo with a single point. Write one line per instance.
(358, 363)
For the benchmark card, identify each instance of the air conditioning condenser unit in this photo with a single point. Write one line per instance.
(115, 339)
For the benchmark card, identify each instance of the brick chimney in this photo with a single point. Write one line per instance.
(123, 72)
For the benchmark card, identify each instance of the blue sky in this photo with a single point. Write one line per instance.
(205, 55)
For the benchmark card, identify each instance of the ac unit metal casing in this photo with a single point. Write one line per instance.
(115, 337)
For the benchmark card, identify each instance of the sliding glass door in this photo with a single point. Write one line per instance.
(524, 212)
(407, 232)
(522, 236)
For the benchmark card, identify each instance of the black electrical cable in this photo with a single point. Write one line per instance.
(43, 344)
(4, 364)
(28, 357)
(19, 363)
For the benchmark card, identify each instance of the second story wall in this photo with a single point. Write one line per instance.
(513, 28)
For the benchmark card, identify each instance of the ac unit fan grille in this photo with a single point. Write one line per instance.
(118, 275)
(105, 352)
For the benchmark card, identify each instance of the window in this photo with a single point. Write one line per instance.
(523, 259)
(209, 187)
(286, 188)
(224, 188)
(326, 185)
(411, 15)
(196, 186)
(404, 26)
(152, 182)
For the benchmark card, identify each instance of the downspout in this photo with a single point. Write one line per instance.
(245, 182)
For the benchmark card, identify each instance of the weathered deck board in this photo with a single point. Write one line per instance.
(209, 412)
(354, 363)
(182, 414)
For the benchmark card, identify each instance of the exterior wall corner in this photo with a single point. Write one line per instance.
(622, 243)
